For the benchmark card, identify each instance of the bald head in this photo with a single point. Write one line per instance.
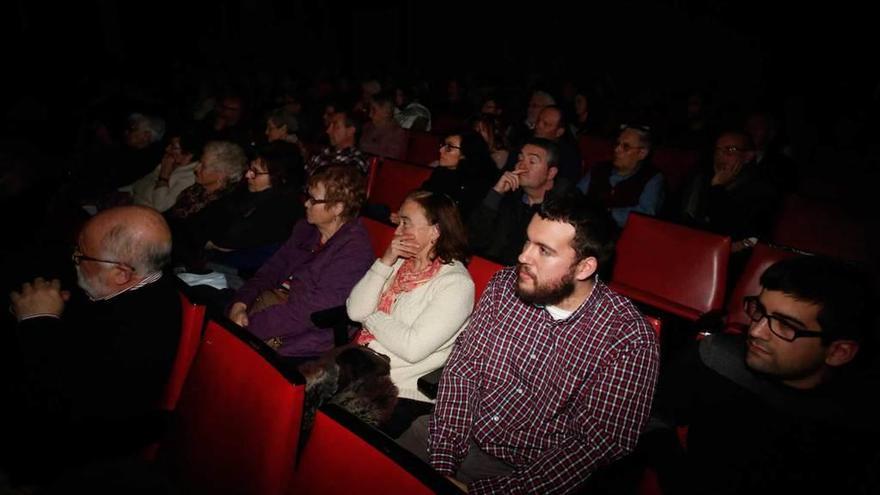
(135, 235)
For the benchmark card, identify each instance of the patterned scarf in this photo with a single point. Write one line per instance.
(406, 280)
(195, 197)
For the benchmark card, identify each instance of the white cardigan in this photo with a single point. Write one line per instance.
(423, 324)
(145, 193)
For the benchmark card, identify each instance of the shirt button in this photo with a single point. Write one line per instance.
(519, 391)
(533, 356)
(495, 418)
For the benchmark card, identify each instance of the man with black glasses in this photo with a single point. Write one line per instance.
(89, 367)
(784, 408)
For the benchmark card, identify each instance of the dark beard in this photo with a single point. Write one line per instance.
(548, 296)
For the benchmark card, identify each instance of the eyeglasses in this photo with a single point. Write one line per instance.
(78, 257)
(256, 171)
(728, 150)
(449, 147)
(315, 201)
(779, 326)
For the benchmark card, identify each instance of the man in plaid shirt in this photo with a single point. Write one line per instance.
(554, 376)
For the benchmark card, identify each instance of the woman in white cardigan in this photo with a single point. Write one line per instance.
(416, 298)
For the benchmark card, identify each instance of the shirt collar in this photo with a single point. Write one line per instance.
(149, 279)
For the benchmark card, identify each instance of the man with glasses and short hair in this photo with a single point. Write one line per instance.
(786, 407)
(732, 198)
(628, 183)
(89, 371)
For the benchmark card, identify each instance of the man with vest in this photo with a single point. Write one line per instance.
(628, 183)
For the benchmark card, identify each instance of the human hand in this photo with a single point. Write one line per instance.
(238, 314)
(509, 181)
(402, 246)
(726, 173)
(39, 297)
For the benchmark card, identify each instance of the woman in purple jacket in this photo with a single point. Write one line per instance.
(315, 269)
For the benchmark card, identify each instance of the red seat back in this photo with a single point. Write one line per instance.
(594, 150)
(481, 271)
(820, 227)
(380, 235)
(424, 147)
(238, 419)
(676, 164)
(676, 269)
(373, 164)
(190, 337)
(343, 456)
(396, 179)
(749, 283)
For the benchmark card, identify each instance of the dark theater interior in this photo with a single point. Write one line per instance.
(388, 247)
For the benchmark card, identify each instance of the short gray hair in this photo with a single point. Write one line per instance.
(154, 125)
(144, 254)
(229, 159)
(547, 97)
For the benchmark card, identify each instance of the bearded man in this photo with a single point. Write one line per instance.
(553, 377)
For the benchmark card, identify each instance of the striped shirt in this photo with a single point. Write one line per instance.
(556, 399)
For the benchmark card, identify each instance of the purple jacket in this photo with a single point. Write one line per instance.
(321, 280)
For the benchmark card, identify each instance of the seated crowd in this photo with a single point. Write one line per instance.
(551, 381)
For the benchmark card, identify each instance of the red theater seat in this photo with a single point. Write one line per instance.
(394, 180)
(380, 235)
(676, 165)
(345, 456)
(481, 271)
(424, 148)
(820, 227)
(675, 269)
(238, 418)
(595, 150)
(749, 283)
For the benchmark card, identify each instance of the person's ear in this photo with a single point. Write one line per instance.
(559, 132)
(121, 275)
(551, 172)
(586, 268)
(841, 352)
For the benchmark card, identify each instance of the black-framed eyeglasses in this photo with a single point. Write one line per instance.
(77, 256)
(256, 171)
(780, 326)
(315, 201)
(449, 147)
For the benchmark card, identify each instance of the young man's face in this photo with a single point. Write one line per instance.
(547, 264)
(767, 352)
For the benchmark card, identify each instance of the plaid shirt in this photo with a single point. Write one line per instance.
(556, 399)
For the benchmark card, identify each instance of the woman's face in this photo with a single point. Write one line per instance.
(413, 222)
(450, 152)
(175, 151)
(318, 211)
(257, 175)
(206, 175)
